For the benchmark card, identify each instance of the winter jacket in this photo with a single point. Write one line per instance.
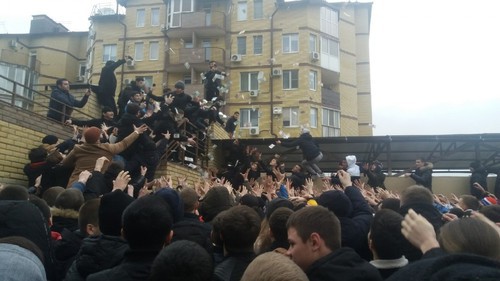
(310, 149)
(478, 175)
(423, 175)
(97, 254)
(192, 229)
(136, 266)
(233, 267)
(342, 265)
(83, 157)
(61, 104)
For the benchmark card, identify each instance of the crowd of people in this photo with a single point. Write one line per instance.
(94, 210)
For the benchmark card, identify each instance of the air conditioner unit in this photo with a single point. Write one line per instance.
(235, 57)
(80, 78)
(314, 56)
(277, 110)
(254, 131)
(277, 72)
(254, 93)
(13, 44)
(130, 63)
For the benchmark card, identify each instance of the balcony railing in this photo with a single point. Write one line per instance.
(195, 57)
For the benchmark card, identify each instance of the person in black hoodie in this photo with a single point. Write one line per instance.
(311, 153)
(315, 246)
(147, 225)
(422, 174)
(106, 89)
(479, 175)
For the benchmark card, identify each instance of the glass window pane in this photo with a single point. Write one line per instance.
(254, 83)
(242, 11)
(155, 16)
(257, 45)
(242, 45)
(244, 81)
(139, 51)
(154, 50)
(187, 5)
(141, 13)
(258, 9)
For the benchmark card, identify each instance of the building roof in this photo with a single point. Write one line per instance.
(448, 153)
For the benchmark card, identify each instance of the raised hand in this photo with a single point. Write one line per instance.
(121, 180)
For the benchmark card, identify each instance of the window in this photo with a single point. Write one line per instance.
(257, 45)
(313, 80)
(330, 47)
(242, 11)
(154, 50)
(290, 79)
(331, 123)
(313, 117)
(177, 7)
(290, 43)
(109, 52)
(249, 117)
(258, 9)
(187, 79)
(140, 18)
(313, 39)
(242, 45)
(290, 116)
(82, 69)
(155, 16)
(329, 21)
(139, 51)
(249, 81)
(148, 80)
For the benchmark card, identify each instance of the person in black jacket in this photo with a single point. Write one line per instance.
(106, 89)
(479, 175)
(422, 174)
(310, 151)
(62, 101)
(107, 118)
(315, 246)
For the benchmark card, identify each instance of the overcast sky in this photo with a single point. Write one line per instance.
(434, 63)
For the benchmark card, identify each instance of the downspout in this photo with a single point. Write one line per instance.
(271, 80)
(124, 45)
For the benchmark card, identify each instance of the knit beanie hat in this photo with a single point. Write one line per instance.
(110, 212)
(174, 202)
(337, 202)
(179, 85)
(50, 139)
(215, 201)
(92, 135)
(276, 203)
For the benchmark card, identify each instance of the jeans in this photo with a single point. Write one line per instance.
(311, 166)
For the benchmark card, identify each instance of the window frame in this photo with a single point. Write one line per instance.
(249, 114)
(139, 56)
(313, 117)
(157, 53)
(241, 45)
(257, 44)
(290, 38)
(242, 11)
(258, 12)
(155, 21)
(288, 115)
(106, 57)
(288, 76)
(140, 22)
(330, 129)
(250, 78)
(314, 85)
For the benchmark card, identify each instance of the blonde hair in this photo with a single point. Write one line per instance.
(272, 266)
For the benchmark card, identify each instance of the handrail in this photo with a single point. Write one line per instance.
(27, 103)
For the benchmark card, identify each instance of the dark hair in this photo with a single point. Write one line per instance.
(60, 81)
(390, 203)
(139, 78)
(51, 194)
(147, 223)
(182, 261)
(416, 194)
(316, 219)
(14, 192)
(240, 226)
(41, 205)
(37, 154)
(385, 234)
(277, 223)
(132, 108)
(89, 214)
(470, 202)
(106, 109)
(70, 198)
(492, 212)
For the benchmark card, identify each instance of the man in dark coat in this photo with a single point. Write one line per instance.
(106, 89)
(479, 175)
(422, 174)
(62, 102)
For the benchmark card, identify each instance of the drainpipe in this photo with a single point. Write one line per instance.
(271, 80)
(124, 45)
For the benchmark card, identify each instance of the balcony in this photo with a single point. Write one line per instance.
(203, 24)
(180, 60)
